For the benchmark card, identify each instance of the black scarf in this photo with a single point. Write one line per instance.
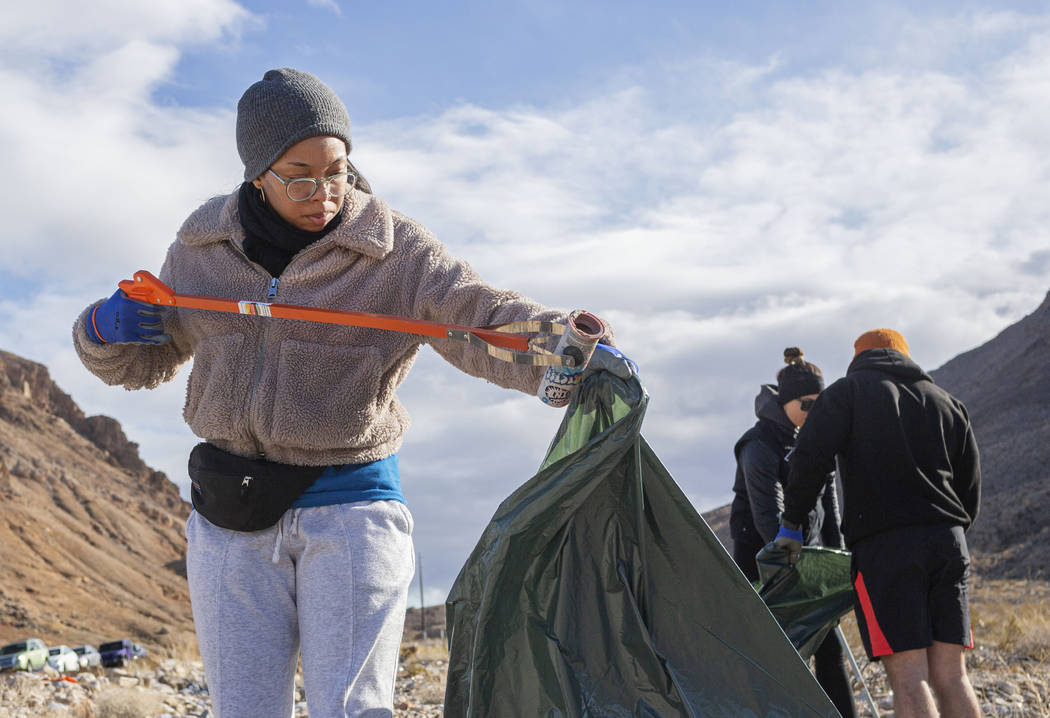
(269, 240)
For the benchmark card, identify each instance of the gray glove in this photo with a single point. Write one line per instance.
(611, 359)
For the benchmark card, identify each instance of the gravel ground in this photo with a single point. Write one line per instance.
(1017, 690)
(176, 689)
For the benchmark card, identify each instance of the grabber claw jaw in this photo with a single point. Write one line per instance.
(147, 288)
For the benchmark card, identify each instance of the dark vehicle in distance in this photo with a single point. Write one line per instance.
(120, 652)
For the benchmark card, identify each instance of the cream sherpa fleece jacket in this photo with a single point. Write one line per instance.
(300, 392)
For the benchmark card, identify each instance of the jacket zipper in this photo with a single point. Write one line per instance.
(271, 294)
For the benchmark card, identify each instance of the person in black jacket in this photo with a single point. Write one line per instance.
(762, 468)
(910, 473)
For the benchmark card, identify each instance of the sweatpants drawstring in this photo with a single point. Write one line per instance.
(277, 544)
(293, 516)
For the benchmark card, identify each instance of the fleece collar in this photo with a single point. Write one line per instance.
(367, 227)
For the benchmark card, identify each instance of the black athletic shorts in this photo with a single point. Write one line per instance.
(911, 589)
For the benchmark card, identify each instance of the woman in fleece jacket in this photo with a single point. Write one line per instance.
(308, 405)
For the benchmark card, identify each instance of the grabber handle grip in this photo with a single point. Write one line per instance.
(147, 288)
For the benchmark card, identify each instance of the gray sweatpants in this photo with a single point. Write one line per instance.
(329, 581)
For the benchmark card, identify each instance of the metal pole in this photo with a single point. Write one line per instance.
(856, 672)
(422, 609)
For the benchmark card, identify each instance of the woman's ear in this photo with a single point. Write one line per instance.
(257, 183)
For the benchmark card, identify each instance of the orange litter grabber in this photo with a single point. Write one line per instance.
(517, 342)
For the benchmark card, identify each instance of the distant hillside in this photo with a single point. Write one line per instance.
(91, 537)
(718, 520)
(1005, 385)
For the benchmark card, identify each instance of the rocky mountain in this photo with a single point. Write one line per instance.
(718, 520)
(91, 537)
(1005, 385)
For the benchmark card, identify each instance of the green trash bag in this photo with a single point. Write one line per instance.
(809, 597)
(597, 590)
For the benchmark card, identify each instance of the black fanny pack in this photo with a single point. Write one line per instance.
(244, 494)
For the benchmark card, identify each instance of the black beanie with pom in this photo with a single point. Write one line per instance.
(798, 378)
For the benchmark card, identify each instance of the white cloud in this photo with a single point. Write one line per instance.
(100, 175)
(58, 32)
(844, 201)
(331, 5)
(714, 221)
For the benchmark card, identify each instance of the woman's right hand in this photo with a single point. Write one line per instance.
(120, 320)
(611, 359)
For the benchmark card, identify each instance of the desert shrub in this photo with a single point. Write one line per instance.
(180, 646)
(121, 702)
(424, 663)
(432, 650)
(84, 709)
(1011, 618)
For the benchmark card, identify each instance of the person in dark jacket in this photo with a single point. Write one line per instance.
(762, 470)
(910, 473)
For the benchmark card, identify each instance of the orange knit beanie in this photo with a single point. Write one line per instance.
(881, 339)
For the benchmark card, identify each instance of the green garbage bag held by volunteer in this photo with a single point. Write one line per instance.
(597, 590)
(808, 597)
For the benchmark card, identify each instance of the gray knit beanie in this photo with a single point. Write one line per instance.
(283, 108)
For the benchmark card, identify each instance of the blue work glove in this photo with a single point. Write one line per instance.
(121, 320)
(789, 539)
(611, 359)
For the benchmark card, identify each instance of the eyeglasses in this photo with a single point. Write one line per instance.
(805, 404)
(303, 188)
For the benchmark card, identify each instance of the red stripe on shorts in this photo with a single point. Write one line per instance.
(879, 645)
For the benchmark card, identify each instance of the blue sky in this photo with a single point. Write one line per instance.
(718, 180)
(420, 57)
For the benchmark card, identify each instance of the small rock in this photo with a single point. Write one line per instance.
(88, 680)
